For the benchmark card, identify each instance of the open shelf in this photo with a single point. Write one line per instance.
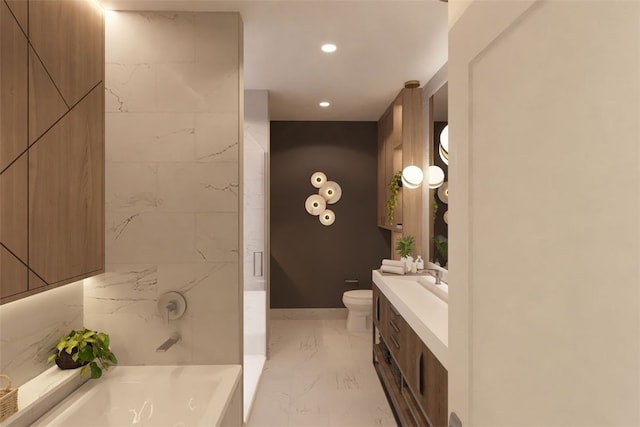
(404, 407)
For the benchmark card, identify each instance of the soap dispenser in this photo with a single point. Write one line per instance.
(419, 263)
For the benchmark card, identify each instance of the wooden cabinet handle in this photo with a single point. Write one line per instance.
(394, 326)
(419, 378)
(377, 308)
(393, 340)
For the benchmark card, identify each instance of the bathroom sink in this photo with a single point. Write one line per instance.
(426, 280)
(441, 290)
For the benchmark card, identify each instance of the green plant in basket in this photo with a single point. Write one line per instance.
(405, 246)
(82, 348)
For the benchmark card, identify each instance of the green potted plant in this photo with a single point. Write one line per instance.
(405, 247)
(442, 246)
(394, 186)
(82, 348)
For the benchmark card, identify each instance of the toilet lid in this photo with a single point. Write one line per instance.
(360, 294)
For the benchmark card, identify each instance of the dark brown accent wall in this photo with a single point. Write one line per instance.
(310, 262)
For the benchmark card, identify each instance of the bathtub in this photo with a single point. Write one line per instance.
(149, 396)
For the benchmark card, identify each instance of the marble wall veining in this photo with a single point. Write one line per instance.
(173, 101)
(31, 327)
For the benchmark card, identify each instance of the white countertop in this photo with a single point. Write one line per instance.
(424, 311)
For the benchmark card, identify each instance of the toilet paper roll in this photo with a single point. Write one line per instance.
(391, 269)
(393, 263)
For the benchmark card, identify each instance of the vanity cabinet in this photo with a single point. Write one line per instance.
(413, 378)
(380, 309)
(426, 377)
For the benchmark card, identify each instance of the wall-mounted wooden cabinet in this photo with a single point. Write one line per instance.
(400, 144)
(415, 381)
(51, 144)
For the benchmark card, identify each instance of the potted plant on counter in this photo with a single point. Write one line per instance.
(82, 348)
(405, 246)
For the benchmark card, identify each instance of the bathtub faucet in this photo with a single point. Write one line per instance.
(173, 339)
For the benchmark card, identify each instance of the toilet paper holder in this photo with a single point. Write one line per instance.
(352, 282)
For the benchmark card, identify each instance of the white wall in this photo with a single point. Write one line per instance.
(173, 100)
(31, 327)
(544, 325)
(456, 9)
(256, 146)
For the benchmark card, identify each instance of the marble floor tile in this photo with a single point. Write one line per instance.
(319, 374)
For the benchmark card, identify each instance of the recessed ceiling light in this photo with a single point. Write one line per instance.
(329, 47)
(325, 104)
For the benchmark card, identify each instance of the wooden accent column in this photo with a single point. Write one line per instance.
(400, 144)
(412, 145)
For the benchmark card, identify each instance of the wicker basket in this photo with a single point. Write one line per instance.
(8, 399)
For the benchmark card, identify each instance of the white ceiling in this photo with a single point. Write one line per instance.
(381, 44)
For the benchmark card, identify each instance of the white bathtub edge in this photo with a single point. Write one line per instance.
(234, 387)
(42, 394)
(39, 395)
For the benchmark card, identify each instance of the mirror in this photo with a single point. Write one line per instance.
(439, 157)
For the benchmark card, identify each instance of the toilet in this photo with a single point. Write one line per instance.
(359, 303)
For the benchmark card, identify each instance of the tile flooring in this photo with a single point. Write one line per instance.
(318, 374)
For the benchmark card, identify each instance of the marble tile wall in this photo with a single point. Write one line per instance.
(173, 85)
(30, 327)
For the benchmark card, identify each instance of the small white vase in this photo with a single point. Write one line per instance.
(408, 260)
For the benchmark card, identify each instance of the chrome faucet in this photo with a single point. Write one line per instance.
(437, 274)
(173, 339)
(171, 307)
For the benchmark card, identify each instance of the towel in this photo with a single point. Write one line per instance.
(393, 263)
(391, 269)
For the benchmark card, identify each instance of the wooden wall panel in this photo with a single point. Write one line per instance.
(45, 103)
(35, 282)
(385, 129)
(20, 10)
(412, 143)
(51, 198)
(13, 208)
(66, 193)
(13, 274)
(71, 46)
(13, 88)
